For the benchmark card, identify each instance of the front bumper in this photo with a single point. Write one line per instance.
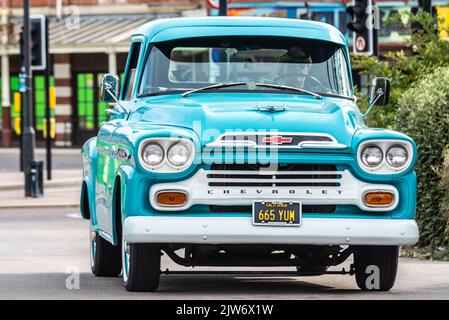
(240, 230)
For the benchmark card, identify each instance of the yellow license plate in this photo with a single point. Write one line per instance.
(280, 213)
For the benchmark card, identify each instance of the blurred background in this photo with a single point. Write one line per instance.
(90, 37)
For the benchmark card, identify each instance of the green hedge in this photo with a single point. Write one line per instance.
(423, 114)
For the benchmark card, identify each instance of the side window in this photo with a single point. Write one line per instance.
(130, 77)
(343, 74)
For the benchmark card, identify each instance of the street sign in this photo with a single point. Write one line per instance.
(22, 81)
(360, 44)
(215, 4)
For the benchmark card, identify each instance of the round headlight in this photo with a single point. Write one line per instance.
(153, 154)
(397, 156)
(178, 154)
(371, 156)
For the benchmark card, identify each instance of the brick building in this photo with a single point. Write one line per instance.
(90, 37)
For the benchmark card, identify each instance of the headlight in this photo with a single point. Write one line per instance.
(178, 155)
(371, 156)
(385, 156)
(153, 154)
(166, 154)
(397, 156)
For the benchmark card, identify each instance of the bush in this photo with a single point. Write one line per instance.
(444, 184)
(423, 114)
(425, 52)
(419, 107)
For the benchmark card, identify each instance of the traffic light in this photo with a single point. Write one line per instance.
(362, 26)
(38, 44)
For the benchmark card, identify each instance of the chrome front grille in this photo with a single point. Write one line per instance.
(319, 187)
(249, 209)
(288, 175)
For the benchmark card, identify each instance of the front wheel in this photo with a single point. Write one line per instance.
(104, 257)
(141, 264)
(376, 267)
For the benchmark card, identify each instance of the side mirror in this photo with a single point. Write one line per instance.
(379, 92)
(109, 88)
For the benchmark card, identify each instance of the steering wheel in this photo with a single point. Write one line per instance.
(310, 82)
(182, 75)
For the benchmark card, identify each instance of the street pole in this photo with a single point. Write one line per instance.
(28, 130)
(47, 102)
(223, 8)
(425, 5)
(376, 27)
(5, 99)
(376, 42)
(22, 89)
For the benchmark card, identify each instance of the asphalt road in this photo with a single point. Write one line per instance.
(40, 247)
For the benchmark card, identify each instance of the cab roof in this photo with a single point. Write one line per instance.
(178, 28)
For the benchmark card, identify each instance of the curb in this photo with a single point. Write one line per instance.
(40, 206)
(41, 151)
(47, 185)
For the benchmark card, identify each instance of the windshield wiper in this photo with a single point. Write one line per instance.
(282, 87)
(214, 86)
(252, 84)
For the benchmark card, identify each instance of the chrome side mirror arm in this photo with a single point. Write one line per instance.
(108, 88)
(112, 112)
(379, 94)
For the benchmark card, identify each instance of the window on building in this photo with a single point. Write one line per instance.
(14, 87)
(39, 100)
(85, 100)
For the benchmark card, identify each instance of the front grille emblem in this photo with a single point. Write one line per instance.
(277, 140)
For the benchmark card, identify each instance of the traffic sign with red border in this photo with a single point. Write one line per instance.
(215, 4)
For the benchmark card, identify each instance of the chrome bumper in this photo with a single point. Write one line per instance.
(240, 230)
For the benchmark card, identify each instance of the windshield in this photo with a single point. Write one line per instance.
(187, 64)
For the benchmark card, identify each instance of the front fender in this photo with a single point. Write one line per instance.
(404, 181)
(365, 134)
(122, 183)
(89, 155)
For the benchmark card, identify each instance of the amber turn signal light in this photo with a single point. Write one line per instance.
(171, 198)
(379, 198)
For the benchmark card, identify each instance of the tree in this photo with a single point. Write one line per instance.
(425, 53)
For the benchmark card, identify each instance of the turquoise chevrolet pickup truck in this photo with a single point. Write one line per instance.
(238, 142)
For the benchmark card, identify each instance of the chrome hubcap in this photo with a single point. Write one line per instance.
(125, 259)
(93, 248)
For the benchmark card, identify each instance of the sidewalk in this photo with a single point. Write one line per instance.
(62, 191)
(42, 151)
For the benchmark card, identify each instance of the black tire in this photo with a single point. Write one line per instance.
(143, 267)
(105, 257)
(385, 258)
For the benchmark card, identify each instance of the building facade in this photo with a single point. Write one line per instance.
(91, 37)
(88, 38)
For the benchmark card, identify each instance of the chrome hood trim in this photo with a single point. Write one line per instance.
(293, 140)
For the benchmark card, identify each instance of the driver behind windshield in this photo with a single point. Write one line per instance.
(294, 70)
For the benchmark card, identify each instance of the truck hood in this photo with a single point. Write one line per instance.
(210, 115)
